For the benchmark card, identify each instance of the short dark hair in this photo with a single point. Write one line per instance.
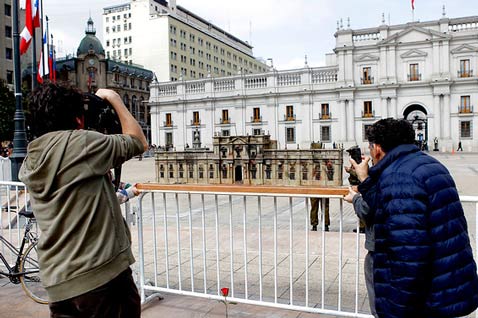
(390, 133)
(53, 107)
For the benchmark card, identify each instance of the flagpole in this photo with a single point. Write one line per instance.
(34, 60)
(19, 135)
(42, 30)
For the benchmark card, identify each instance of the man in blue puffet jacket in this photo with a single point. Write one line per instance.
(423, 262)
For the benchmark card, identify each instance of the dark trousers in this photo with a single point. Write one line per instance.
(314, 211)
(118, 298)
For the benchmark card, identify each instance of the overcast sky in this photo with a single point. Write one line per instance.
(283, 30)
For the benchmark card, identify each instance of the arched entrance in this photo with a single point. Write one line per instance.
(238, 174)
(417, 116)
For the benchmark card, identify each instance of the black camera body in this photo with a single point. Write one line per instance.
(100, 115)
(355, 153)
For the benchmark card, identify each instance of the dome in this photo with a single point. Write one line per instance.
(90, 42)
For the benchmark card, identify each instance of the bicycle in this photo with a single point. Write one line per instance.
(26, 270)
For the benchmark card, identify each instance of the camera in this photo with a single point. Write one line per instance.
(355, 154)
(100, 115)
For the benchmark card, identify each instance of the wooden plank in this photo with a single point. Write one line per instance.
(209, 188)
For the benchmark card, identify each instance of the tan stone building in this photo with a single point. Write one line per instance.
(251, 160)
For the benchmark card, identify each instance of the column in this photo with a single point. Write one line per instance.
(384, 107)
(342, 120)
(437, 118)
(392, 62)
(350, 121)
(446, 57)
(393, 106)
(383, 63)
(436, 58)
(446, 117)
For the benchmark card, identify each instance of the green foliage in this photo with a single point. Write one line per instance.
(7, 111)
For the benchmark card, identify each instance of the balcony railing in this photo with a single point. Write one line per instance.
(325, 116)
(465, 109)
(414, 77)
(225, 120)
(465, 73)
(368, 114)
(366, 80)
(195, 122)
(256, 119)
(289, 117)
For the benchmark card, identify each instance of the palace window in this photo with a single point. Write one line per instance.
(325, 134)
(325, 111)
(289, 113)
(465, 129)
(256, 117)
(196, 121)
(367, 76)
(211, 172)
(305, 172)
(367, 109)
(465, 70)
(292, 173)
(168, 122)
(161, 171)
(414, 74)
(280, 170)
(8, 31)
(465, 106)
(201, 172)
(290, 134)
(256, 132)
(225, 132)
(181, 171)
(169, 139)
(8, 10)
(225, 116)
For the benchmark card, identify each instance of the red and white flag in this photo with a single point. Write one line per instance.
(27, 33)
(32, 21)
(44, 65)
(413, 4)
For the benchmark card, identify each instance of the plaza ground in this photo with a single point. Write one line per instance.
(463, 167)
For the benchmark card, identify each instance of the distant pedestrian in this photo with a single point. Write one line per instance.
(460, 148)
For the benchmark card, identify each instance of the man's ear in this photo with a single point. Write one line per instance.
(379, 153)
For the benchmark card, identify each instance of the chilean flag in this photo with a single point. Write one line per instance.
(32, 21)
(413, 4)
(44, 65)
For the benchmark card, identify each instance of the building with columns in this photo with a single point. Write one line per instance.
(424, 72)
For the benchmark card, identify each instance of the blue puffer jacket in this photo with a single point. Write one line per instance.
(423, 261)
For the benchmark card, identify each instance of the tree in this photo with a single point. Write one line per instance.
(7, 112)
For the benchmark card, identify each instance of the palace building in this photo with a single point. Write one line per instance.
(425, 72)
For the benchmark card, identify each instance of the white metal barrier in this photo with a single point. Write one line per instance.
(13, 198)
(5, 169)
(194, 240)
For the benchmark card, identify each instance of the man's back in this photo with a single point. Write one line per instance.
(423, 262)
(84, 241)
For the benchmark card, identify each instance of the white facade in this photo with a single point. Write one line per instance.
(173, 42)
(425, 72)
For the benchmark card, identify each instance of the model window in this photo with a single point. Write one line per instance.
(168, 122)
(289, 113)
(256, 115)
(325, 111)
(465, 106)
(367, 109)
(196, 120)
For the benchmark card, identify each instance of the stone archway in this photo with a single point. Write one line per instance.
(417, 116)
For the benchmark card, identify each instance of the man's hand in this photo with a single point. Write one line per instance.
(350, 196)
(129, 125)
(362, 168)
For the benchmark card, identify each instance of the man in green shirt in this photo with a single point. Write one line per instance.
(85, 246)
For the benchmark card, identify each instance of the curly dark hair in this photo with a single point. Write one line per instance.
(390, 133)
(53, 107)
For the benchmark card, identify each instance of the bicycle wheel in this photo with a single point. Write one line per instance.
(30, 281)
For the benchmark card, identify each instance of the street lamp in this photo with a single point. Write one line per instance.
(19, 135)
